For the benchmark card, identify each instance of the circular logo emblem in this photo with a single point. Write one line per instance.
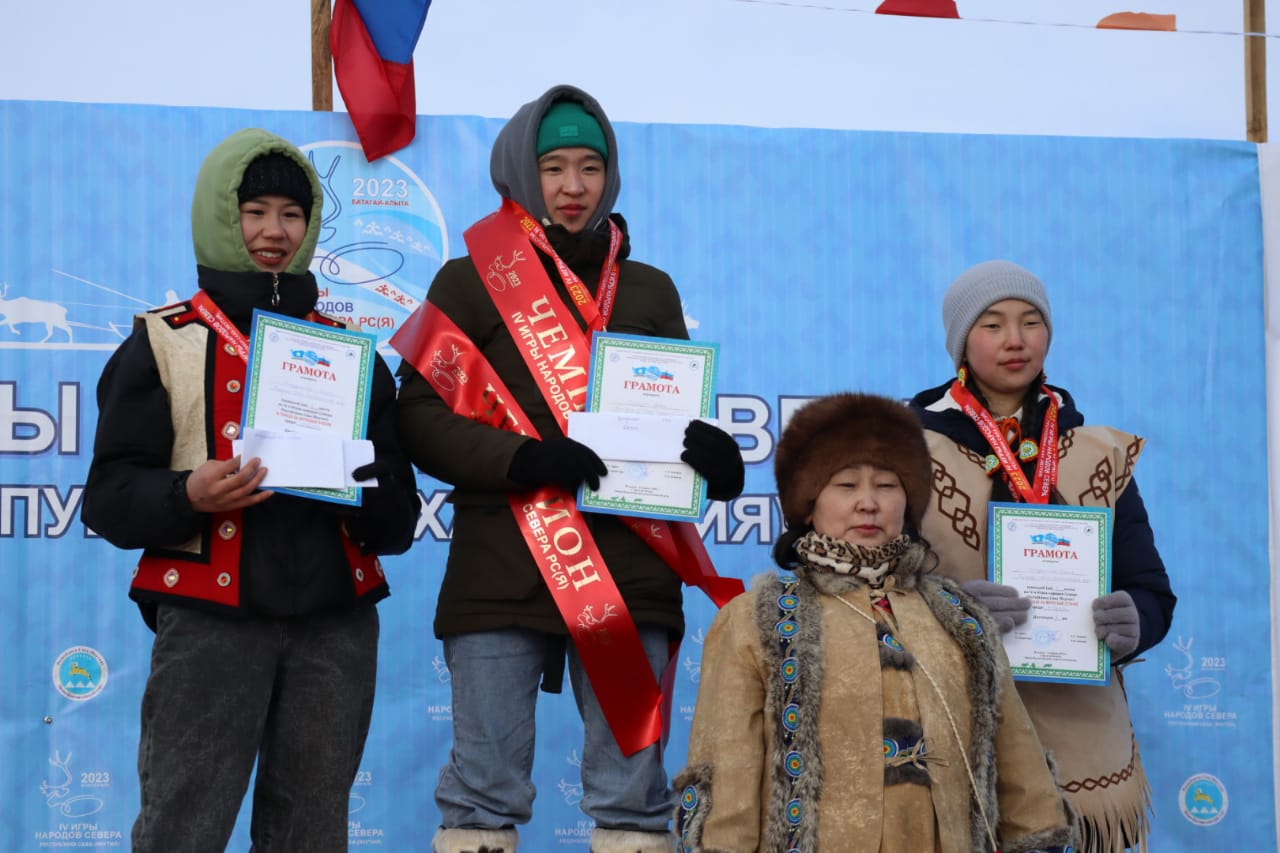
(1203, 800)
(382, 239)
(80, 673)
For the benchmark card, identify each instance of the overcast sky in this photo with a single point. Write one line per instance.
(807, 63)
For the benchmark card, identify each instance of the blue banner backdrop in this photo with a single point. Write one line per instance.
(817, 259)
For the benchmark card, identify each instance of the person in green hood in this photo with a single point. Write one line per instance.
(262, 603)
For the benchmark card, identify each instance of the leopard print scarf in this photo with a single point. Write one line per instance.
(870, 563)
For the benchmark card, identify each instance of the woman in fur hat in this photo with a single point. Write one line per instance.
(999, 325)
(855, 702)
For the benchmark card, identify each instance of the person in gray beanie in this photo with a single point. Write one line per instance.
(555, 256)
(988, 430)
(982, 286)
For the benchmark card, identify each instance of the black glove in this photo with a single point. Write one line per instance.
(715, 455)
(1003, 602)
(384, 521)
(375, 470)
(556, 461)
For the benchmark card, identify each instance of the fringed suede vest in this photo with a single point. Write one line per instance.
(1087, 729)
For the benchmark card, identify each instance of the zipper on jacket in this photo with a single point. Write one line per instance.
(275, 290)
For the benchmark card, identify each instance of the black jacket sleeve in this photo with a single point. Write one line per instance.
(132, 498)
(1138, 569)
(388, 515)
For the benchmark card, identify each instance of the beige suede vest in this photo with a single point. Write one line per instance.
(1086, 728)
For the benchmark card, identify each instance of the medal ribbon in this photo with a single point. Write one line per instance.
(221, 325)
(595, 314)
(1046, 476)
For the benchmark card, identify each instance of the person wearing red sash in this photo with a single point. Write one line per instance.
(494, 361)
(988, 430)
(263, 604)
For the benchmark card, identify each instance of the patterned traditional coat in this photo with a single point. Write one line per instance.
(796, 743)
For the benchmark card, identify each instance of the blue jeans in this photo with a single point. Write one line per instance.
(294, 696)
(487, 783)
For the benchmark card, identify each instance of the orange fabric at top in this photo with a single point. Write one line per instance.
(1139, 21)
(919, 8)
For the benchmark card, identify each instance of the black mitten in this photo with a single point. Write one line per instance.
(715, 455)
(384, 521)
(376, 469)
(363, 474)
(556, 461)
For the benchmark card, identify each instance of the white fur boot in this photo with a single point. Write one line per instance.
(475, 841)
(631, 841)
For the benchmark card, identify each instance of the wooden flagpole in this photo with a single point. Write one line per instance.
(1255, 71)
(322, 59)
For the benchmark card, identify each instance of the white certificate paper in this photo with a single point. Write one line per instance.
(1060, 558)
(664, 383)
(309, 379)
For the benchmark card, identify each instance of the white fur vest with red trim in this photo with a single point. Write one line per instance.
(205, 409)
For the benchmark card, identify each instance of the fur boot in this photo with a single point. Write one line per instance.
(631, 841)
(475, 841)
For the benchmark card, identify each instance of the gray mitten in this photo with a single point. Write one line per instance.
(1115, 621)
(1004, 604)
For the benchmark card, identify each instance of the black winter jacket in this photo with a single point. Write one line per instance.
(292, 563)
(491, 581)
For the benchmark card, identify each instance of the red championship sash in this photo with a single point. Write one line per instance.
(556, 352)
(1046, 454)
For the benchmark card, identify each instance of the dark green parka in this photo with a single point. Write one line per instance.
(491, 580)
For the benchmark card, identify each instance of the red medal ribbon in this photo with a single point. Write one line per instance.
(595, 315)
(215, 319)
(222, 326)
(1046, 465)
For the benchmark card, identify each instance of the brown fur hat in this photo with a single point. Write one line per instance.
(835, 432)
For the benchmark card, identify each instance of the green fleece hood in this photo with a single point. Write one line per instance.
(215, 210)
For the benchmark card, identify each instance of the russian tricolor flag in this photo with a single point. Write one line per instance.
(372, 43)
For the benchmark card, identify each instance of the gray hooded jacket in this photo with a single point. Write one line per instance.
(513, 166)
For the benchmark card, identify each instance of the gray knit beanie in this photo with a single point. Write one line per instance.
(980, 287)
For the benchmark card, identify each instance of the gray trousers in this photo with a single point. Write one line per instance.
(294, 696)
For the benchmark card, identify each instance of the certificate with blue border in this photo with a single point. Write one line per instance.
(1060, 558)
(306, 377)
(661, 377)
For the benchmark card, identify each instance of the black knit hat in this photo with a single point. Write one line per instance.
(836, 432)
(276, 174)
